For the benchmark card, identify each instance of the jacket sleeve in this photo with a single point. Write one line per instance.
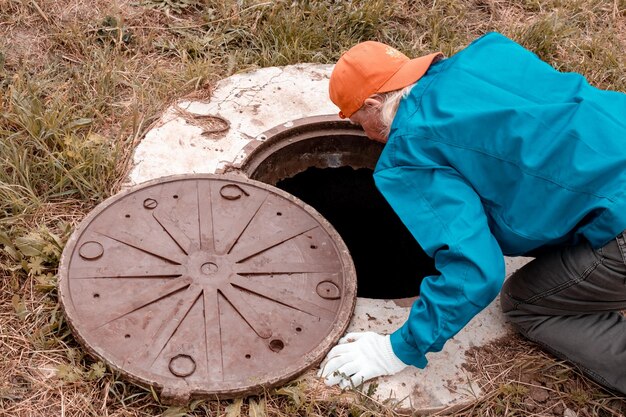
(447, 218)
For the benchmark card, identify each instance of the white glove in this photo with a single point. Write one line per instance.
(359, 357)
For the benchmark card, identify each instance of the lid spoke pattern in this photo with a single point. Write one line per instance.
(206, 284)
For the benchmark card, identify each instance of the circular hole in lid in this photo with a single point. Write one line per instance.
(175, 196)
(127, 216)
(127, 336)
(96, 295)
(298, 329)
(313, 246)
(248, 356)
(278, 213)
(276, 345)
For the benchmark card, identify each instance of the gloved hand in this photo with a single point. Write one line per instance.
(359, 357)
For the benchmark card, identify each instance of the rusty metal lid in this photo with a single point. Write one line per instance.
(205, 285)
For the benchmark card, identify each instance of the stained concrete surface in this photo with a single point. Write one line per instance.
(253, 103)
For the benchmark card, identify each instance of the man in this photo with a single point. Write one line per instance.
(494, 152)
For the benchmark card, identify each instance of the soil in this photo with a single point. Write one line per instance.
(524, 378)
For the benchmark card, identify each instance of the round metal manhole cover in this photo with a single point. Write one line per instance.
(207, 285)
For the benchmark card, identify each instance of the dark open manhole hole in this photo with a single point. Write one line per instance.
(328, 163)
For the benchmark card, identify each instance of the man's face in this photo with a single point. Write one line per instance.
(368, 117)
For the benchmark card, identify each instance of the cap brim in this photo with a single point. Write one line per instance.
(409, 73)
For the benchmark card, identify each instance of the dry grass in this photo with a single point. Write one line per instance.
(518, 378)
(80, 84)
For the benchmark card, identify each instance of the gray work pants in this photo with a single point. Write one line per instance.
(568, 301)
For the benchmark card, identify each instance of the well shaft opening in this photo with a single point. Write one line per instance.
(329, 165)
(389, 262)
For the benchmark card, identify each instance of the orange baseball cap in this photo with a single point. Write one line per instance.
(369, 68)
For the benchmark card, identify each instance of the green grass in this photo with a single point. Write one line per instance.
(81, 83)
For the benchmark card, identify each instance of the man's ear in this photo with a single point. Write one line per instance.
(373, 101)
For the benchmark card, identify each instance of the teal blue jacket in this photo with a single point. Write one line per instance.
(495, 152)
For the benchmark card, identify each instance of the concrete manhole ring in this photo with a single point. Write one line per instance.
(279, 128)
(207, 285)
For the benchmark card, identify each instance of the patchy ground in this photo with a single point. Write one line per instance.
(80, 84)
(521, 379)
